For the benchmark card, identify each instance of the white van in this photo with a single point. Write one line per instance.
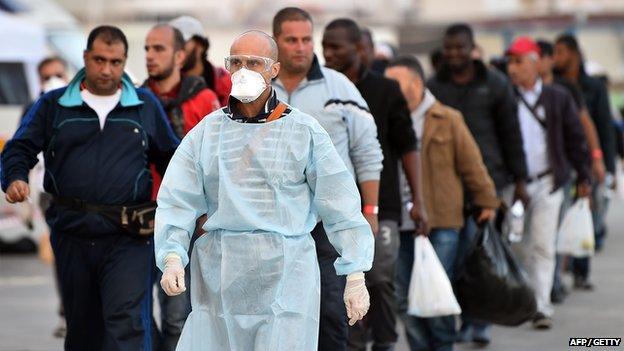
(26, 37)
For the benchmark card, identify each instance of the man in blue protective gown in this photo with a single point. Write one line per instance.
(265, 174)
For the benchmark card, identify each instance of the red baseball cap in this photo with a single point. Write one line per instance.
(522, 46)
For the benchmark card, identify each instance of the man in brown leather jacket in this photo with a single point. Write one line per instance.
(451, 160)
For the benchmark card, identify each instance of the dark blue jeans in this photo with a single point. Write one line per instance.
(436, 333)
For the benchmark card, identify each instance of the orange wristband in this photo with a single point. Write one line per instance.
(597, 154)
(370, 209)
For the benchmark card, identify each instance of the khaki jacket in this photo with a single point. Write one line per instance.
(450, 157)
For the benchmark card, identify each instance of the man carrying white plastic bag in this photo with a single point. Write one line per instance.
(576, 233)
(430, 291)
(451, 164)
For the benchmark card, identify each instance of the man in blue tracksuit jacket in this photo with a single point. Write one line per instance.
(98, 135)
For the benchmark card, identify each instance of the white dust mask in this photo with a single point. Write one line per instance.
(52, 83)
(247, 85)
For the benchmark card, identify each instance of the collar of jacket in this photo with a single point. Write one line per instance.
(363, 73)
(186, 89)
(72, 97)
(232, 112)
(436, 112)
(315, 72)
(480, 72)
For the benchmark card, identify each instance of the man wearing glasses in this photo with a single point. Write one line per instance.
(263, 173)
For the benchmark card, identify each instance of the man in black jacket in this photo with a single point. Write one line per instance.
(569, 64)
(343, 51)
(546, 65)
(485, 99)
(554, 145)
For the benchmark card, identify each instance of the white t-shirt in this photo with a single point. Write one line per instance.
(533, 134)
(102, 104)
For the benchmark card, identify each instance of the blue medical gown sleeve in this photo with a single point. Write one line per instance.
(336, 199)
(181, 201)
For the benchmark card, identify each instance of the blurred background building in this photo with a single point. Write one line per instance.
(35, 28)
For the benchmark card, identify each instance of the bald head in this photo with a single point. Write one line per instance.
(255, 42)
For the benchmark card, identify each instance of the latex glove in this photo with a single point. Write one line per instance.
(172, 280)
(356, 297)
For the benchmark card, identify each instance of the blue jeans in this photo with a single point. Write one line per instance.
(474, 327)
(436, 333)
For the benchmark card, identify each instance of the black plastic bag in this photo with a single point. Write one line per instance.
(491, 286)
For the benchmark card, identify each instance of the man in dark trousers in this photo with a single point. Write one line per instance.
(569, 64)
(485, 99)
(186, 100)
(98, 136)
(343, 51)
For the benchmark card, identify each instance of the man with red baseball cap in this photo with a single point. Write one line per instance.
(554, 144)
(522, 46)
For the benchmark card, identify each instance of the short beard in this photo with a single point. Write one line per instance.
(163, 75)
(166, 73)
(190, 62)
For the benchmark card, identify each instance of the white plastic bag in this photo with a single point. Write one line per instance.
(576, 233)
(619, 180)
(513, 225)
(430, 291)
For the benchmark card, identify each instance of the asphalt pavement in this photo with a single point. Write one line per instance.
(29, 305)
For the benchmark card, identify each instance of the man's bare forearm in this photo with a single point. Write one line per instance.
(370, 192)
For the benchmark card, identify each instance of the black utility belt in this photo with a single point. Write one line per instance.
(134, 219)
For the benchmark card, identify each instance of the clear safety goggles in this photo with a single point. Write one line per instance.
(253, 63)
